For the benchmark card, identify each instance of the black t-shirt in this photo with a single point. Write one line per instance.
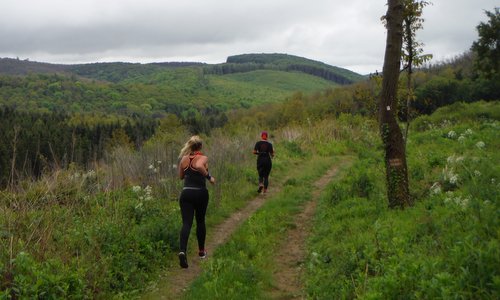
(264, 149)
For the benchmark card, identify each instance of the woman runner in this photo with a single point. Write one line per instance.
(264, 151)
(193, 201)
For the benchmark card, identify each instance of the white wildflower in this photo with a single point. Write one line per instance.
(452, 134)
(445, 123)
(174, 166)
(436, 188)
(450, 175)
(461, 138)
(454, 159)
(480, 144)
(449, 197)
(493, 181)
(151, 167)
(477, 173)
(464, 203)
(453, 179)
(158, 162)
(136, 189)
(468, 132)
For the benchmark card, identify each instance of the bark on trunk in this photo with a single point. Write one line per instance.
(392, 138)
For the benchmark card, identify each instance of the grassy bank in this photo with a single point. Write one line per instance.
(446, 246)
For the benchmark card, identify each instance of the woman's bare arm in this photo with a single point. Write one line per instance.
(182, 166)
(203, 163)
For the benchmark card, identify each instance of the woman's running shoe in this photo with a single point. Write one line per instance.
(183, 260)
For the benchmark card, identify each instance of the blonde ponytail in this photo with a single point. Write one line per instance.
(192, 145)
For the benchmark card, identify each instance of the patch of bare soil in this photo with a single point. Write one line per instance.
(289, 260)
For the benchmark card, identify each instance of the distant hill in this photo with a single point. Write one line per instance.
(113, 72)
(11, 66)
(119, 71)
(187, 89)
(284, 62)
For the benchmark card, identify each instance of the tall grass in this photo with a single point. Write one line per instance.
(446, 246)
(87, 234)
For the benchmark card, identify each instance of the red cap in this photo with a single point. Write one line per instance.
(263, 135)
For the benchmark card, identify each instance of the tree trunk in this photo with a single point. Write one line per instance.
(395, 153)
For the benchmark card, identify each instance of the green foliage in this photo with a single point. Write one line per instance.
(487, 47)
(153, 89)
(452, 82)
(459, 112)
(118, 71)
(361, 181)
(45, 141)
(446, 246)
(112, 230)
(292, 149)
(264, 86)
(48, 280)
(98, 245)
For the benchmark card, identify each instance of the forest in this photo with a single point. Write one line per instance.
(89, 183)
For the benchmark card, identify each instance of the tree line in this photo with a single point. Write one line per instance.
(34, 142)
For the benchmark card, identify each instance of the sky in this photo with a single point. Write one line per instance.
(343, 33)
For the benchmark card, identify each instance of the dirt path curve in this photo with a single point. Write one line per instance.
(177, 280)
(291, 256)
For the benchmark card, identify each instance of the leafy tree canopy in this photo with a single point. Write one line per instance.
(487, 47)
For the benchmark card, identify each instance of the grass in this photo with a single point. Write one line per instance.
(100, 233)
(108, 232)
(242, 268)
(446, 246)
(55, 233)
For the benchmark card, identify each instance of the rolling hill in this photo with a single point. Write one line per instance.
(156, 88)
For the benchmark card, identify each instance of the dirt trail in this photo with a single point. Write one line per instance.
(175, 282)
(289, 260)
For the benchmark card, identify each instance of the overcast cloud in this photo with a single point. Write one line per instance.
(342, 33)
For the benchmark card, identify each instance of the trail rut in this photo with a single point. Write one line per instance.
(289, 260)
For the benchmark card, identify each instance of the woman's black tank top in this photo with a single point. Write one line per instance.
(193, 178)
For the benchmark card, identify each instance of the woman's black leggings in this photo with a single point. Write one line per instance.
(264, 165)
(193, 203)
